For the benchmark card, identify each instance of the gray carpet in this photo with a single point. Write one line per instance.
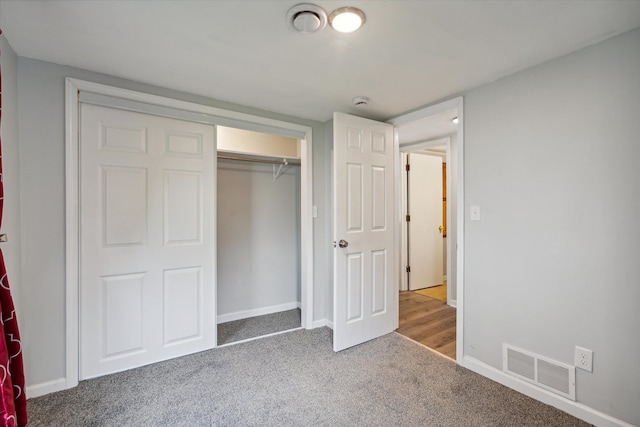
(295, 379)
(243, 329)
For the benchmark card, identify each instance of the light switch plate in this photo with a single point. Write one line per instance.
(475, 213)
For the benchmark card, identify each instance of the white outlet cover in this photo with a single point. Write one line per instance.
(584, 359)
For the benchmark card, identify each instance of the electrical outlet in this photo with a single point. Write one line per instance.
(584, 359)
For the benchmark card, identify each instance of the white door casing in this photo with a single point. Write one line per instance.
(147, 239)
(425, 210)
(365, 291)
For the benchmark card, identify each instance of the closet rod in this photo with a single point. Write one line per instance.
(246, 159)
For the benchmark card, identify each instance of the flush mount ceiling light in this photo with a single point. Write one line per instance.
(346, 19)
(307, 18)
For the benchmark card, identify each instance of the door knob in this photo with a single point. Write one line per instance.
(441, 228)
(343, 243)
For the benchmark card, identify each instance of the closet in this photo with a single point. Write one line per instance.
(258, 234)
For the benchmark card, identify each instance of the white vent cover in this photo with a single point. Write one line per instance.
(541, 371)
(307, 18)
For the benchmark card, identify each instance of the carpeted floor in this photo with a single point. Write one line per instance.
(258, 326)
(295, 379)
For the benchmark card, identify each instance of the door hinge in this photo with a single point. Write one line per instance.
(408, 269)
(408, 218)
(407, 167)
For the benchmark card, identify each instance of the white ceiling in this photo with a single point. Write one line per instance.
(407, 55)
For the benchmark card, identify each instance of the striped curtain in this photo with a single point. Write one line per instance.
(13, 404)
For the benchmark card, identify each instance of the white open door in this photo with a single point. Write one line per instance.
(425, 210)
(365, 299)
(147, 247)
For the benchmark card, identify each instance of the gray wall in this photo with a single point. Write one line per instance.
(41, 112)
(551, 157)
(11, 170)
(258, 236)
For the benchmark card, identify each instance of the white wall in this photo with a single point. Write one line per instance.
(11, 171)
(551, 158)
(258, 237)
(41, 112)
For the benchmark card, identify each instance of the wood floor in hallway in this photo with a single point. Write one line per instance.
(428, 321)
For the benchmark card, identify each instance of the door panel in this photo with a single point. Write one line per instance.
(182, 308)
(147, 289)
(364, 286)
(122, 307)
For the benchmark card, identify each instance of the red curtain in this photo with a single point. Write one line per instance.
(13, 404)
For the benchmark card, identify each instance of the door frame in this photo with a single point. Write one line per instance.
(105, 95)
(404, 250)
(458, 105)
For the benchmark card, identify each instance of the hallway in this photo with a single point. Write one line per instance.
(428, 321)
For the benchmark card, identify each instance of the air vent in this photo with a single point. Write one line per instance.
(306, 18)
(521, 364)
(541, 371)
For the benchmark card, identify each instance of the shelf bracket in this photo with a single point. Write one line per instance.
(277, 174)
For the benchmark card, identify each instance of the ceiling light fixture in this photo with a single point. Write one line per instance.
(346, 19)
(455, 120)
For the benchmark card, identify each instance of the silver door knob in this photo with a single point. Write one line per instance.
(343, 243)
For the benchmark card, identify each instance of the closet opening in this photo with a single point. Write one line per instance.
(259, 234)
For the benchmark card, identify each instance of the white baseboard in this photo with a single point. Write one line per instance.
(237, 315)
(41, 389)
(452, 303)
(322, 323)
(578, 410)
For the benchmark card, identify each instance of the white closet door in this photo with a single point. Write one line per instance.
(147, 245)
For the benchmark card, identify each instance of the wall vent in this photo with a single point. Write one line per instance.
(541, 371)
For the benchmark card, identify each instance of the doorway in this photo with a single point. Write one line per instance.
(424, 313)
(436, 324)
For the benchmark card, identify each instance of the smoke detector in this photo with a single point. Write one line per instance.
(360, 101)
(307, 18)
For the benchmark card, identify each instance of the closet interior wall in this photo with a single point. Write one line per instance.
(258, 223)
